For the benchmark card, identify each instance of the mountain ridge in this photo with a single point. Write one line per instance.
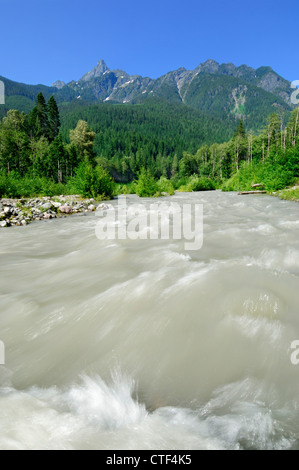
(264, 77)
(224, 91)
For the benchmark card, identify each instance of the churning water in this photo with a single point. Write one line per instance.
(142, 345)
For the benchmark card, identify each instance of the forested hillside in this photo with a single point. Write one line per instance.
(153, 134)
(81, 148)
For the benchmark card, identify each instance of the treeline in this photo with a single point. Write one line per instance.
(152, 135)
(270, 158)
(169, 142)
(33, 154)
(32, 143)
(45, 148)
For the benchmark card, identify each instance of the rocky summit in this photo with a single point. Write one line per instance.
(223, 91)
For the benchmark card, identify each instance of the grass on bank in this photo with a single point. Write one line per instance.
(276, 173)
(97, 183)
(290, 194)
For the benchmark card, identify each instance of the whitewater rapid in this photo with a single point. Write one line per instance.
(122, 344)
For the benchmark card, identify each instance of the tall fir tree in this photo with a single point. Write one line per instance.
(39, 121)
(240, 132)
(53, 119)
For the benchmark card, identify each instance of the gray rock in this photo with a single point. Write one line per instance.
(3, 224)
(65, 209)
(47, 206)
(7, 210)
(23, 222)
(104, 207)
(91, 207)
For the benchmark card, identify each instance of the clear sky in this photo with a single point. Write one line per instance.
(47, 40)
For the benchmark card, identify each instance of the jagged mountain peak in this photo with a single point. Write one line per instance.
(97, 71)
(58, 84)
(209, 66)
(104, 84)
(216, 88)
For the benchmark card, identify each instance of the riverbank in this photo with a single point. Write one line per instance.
(289, 194)
(21, 212)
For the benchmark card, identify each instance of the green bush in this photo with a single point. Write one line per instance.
(146, 185)
(196, 183)
(129, 188)
(12, 185)
(274, 174)
(178, 182)
(92, 182)
(165, 186)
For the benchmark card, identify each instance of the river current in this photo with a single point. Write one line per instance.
(122, 344)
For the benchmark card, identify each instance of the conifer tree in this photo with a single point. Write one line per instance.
(240, 132)
(53, 119)
(39, 122)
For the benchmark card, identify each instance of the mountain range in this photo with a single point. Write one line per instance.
(222, 91)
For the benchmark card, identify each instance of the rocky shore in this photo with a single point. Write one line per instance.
(21, 212)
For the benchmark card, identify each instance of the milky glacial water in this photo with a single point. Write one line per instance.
(121, 344)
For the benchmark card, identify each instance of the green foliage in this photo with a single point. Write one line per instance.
(240, 132)
(273, 175)
(39, 120)
(82, 138)
(146, 185)
(290, 194)
(53, 118)
(129, 188)
(35, 160)
(164, 185)
(156, 142)
(196, 183)
(15, 186)
(91, 182)
(154, 135)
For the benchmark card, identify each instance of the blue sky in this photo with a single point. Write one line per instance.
(46, 40)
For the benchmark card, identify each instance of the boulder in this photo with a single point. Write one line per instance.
(65, 209)
(46, 206)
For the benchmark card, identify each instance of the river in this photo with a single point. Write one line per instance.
(122, 344)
